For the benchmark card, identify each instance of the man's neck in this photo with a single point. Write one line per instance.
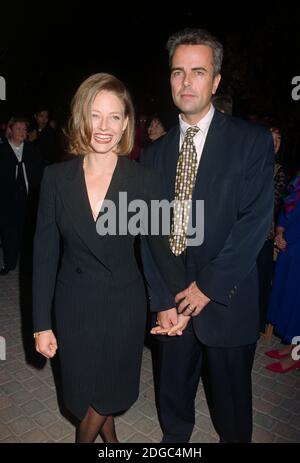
(193, 119)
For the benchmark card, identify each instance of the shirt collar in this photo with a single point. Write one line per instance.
(203, 124)
(16, 148)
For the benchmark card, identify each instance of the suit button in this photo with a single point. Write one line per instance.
(78, 270)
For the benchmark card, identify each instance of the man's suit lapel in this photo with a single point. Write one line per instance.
(212, 155)
(170, 159)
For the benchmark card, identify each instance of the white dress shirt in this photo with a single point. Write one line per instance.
(18, 150)
(200, 137)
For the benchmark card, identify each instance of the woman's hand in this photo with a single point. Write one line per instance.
(175, 330)
(165, 321)
(178, 329)
(45, 344)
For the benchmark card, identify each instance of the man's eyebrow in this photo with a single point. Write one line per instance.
(198, 68)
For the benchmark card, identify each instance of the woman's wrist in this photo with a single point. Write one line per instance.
(37, 333)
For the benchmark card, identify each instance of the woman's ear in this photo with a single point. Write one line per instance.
(125, 123)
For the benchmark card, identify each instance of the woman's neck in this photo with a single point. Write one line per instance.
(95, 163)
(16, 143)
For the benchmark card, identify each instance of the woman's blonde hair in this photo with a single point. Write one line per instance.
(80, 125)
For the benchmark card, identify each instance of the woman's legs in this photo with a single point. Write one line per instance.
(93, 424)
(108, 431)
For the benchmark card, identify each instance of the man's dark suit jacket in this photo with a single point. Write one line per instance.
(235, 180)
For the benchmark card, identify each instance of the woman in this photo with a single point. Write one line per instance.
(265, 263)
(98, 291)
(21, 171)
(284, 307)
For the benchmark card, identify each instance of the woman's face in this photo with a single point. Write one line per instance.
(18, 133)
(155, 129)
(276, 139)
(108, 122)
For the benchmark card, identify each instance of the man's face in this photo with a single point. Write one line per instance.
(192, 80)
(42, 119)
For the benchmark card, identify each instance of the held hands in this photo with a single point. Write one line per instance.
(192, 300)
(171, 323)
(45, 344)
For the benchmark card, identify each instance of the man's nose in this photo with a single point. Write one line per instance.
(187, 80)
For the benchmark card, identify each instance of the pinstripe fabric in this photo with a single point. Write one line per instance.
(96, 287)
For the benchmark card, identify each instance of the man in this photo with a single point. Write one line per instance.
(229, 164)
(44, 136)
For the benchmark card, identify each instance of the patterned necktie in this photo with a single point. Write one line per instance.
(184, 184)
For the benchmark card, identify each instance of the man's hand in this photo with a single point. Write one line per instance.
(192, 300)
(165, 321)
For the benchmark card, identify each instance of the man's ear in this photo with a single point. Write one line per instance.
(216, 82)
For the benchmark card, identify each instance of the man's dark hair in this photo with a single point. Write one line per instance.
(190, 36)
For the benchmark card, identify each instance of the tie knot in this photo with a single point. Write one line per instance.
(191, 131)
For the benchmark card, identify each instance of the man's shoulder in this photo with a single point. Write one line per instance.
(246, 127)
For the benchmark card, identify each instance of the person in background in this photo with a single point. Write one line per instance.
(223, 103)
(284, 306)
(155, 128)
(21, 170)
(140, 137)
(44, 136)
(265, 259)
(2, 131)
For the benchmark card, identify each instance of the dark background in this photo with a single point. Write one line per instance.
(46, 50)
